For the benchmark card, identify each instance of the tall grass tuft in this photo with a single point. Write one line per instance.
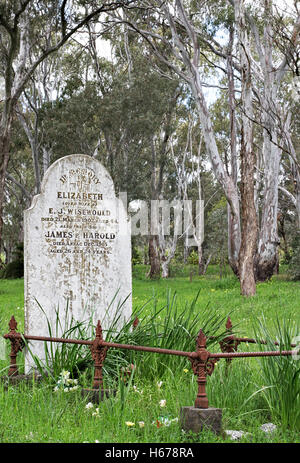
(61, 356)
(281, 375)
(172, 326)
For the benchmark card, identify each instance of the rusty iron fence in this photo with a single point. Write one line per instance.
(202, 361)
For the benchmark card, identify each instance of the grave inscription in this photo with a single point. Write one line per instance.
(77, 249)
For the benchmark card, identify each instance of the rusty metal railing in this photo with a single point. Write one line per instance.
(202, 361)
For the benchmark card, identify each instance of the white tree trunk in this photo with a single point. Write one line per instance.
(266, 260)
(268, 236)
(249, 219)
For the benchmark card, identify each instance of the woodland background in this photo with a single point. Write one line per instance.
(179, 100)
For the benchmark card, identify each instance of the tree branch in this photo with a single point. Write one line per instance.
(19, 185)
(103, 9)
(288, 194)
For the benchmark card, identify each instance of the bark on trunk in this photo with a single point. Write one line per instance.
(31, 131)
(248, 210)
(297, 196)
(233, 220)
(267, 252)
(154, 257)
(185, 253)
(4, 158)
(207, 264)
(200, 260)
(249, 223)
(158, 166)
(234, 239)
(165, 268)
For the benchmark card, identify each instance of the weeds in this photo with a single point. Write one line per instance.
(171, 327)
(171, 314)
(281, 374)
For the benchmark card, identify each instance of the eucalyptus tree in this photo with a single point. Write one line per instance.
(183, 33)
(180, 23)
(270, 69)
(23, 26)
(140, 108)
(39, 91)
(186, 152)
(19, 189)
(290, 184)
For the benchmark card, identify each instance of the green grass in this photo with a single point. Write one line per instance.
(35, 413)
(11, 302)
(276, 297)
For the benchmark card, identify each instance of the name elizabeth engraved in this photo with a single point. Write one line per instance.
(84, 240)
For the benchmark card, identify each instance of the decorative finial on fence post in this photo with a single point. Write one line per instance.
(228, 324)
(135, 322)
(17, 345)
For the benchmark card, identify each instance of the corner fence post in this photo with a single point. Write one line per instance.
(202, 365)
(17, 345)
(98, 354)
(201, 416)
(99, 351)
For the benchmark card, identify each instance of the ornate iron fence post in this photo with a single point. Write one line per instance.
(98, 354)
(17, 345)
(202, 365)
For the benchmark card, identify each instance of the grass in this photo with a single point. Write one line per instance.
(278, 297)
(35, 413)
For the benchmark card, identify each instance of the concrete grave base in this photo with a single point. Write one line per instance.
(96, 396)
(197, 419)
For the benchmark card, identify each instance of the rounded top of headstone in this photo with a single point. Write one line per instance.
(85, 168)
(77, 172)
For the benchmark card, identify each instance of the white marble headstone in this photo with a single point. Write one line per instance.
(77, 250)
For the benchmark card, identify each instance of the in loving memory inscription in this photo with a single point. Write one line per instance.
(77, 250)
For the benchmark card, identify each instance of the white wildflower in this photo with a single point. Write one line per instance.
(65, 374)
(129, 423)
